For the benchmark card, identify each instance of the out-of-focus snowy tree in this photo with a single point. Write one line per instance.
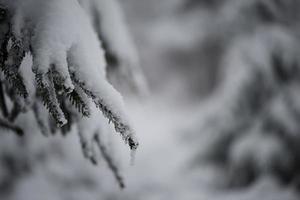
(54, 60)
(248, 127)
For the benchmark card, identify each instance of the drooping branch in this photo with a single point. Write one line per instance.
(121, 127)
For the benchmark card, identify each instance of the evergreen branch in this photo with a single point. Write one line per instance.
(110, 162)
(60, 94)
(119, 125)
(78, 98)
(4, 38)
(59, 81)
(3, 105)
(11, 65)
(69, 116)
(46, 90)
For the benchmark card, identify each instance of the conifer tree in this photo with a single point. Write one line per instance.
(249, 124)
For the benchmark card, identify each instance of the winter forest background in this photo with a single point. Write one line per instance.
(210, 105)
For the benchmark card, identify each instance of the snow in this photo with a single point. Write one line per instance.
(161, 180)
(63, 40)
(108, 20)
(172, 130)
(63, 33)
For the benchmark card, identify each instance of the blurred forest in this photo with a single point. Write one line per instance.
(217, 119)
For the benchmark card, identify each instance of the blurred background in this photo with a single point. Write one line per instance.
(221, 120)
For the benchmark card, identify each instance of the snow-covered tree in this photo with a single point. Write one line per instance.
(249, 127)
(54, 60)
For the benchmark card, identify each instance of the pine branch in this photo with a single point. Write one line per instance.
(12, 62)
(69, 116)
(59, 81)
(119, 125)
(4, 36)
(110, 162)
(61, 92)
(78, 98)
(3, 105)
(46, 90)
